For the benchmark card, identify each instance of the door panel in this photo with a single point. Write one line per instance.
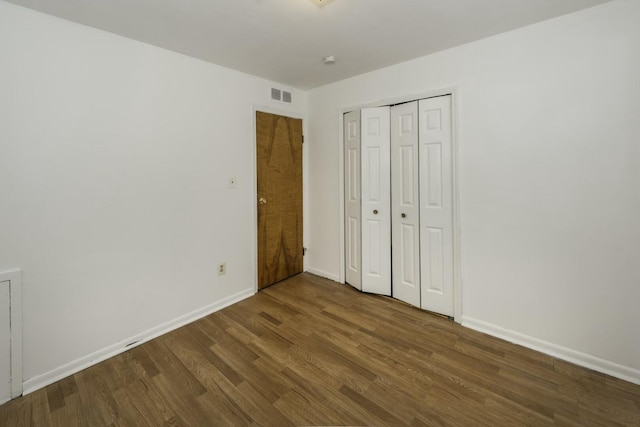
(408, 161)
(279, 168)
(376, 201)
(436, 210)
(353, 208)
(405, 221)
(374, 248)
(433, 160)
(434, 279)
(372, 155)
(407, 256)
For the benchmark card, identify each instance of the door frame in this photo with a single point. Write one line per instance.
(454, 91)
(254, 177)
(14, 277)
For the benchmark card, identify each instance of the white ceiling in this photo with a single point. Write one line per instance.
(285, 40)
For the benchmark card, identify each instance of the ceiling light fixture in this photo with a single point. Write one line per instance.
(329, 60)
(321, 3)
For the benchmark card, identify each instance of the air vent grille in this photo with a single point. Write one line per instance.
(281, 95)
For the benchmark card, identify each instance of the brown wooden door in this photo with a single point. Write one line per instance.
(279, 159)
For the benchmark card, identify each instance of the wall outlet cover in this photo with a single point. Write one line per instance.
(222, 268)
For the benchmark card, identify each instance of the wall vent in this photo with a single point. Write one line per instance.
(281, 95)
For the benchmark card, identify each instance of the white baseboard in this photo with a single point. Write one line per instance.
(582, 359)
(40, 381)
(323, 273)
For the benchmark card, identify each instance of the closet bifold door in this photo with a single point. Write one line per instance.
(376, 200)
(353, 208)
(405, 204)
(436, 205)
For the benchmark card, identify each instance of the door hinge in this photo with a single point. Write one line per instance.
(304, 251)
(303, 139)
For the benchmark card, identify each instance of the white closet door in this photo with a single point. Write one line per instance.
(436, 205)
(376, 201)
(405, 204)
(353, 209)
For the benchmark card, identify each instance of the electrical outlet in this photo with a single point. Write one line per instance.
(222, 268)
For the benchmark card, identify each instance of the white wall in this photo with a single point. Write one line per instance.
(114, 159)
(549, 136)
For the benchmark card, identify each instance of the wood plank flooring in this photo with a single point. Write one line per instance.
(308, 351)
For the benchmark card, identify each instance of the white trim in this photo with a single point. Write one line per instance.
(457, 236)
(14, 278)
(454, 91)
(40, 381)
(254, 172)
(342, 272)
(582, 359)
(325, 274)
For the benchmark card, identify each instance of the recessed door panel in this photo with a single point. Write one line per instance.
(353, 179)
(433, 120)
(407, 174)
(374, 250)
(433, 175)
(407, 123)
(373, 126)
(353, 126)
(408, 254)
(376, 203)
(353, 207)
(434, 260)
(373, 174)
(436, 205)
(353, 252)
(405, 223)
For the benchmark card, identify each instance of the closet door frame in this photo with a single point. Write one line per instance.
(455, 93)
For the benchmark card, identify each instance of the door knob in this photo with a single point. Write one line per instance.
(375, 211)
(262, 201)
(403, 215)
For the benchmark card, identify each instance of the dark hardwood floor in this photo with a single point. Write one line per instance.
(308, 351)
